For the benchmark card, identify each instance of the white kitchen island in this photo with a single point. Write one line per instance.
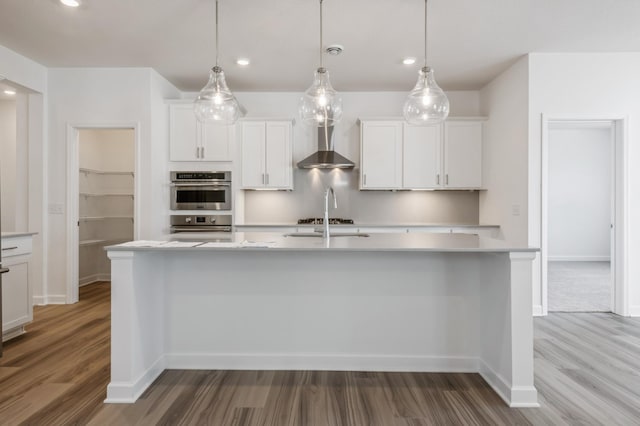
(388, 302)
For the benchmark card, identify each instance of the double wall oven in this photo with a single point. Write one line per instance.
(207, 192)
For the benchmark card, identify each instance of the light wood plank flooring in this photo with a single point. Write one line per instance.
(587, 371)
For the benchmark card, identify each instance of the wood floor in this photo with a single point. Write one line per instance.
(587, 372)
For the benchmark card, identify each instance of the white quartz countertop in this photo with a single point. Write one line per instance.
(371, 225)
(16, 234)
(250, 241)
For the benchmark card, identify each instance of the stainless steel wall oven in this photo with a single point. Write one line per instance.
(200, 190)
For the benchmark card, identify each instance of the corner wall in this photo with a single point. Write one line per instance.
(504, 160)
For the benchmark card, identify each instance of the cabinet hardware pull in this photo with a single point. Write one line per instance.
(438, 179)
(202, 152)
(263, 178)
(267, 178)
(446, 179)
(197, 152)
(364, 179)
(9, 248)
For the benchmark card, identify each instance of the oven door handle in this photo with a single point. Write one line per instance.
(223, 184)
(177, 229)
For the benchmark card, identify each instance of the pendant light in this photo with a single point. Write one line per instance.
(215, 103)
(426, 104)
(321, 105)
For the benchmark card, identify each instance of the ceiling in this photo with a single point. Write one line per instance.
(470, 41)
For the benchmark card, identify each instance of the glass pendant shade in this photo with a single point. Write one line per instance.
(320, 105)
(426, 104)
(215, 103)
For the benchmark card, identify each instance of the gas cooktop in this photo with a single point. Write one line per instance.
(320, 221)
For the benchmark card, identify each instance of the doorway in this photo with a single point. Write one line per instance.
(580, 214)
(582, 247)
(101, 196)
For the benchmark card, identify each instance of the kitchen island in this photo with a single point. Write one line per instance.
(384, 302)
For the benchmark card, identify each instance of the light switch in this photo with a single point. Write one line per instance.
(56, 208)
(515, 210)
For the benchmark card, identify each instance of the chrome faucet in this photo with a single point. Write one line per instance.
(325, 222)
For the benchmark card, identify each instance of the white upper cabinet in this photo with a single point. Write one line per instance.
(396, 155)
(463, 154)
(422, 153)
(381, 155)
(267, 160)
(190, 140)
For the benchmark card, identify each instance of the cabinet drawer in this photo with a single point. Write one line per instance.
(16, 246)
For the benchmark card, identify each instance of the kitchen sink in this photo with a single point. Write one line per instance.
(333, 234)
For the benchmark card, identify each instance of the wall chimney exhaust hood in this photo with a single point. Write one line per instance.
(325, 157)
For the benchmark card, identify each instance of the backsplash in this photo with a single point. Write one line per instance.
(364, 207)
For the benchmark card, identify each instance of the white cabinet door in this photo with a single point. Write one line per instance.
(422, 157)
(183, 133)
(278, 158)
(463, 154)
(16, 298)
(253, 154)
(216, 142)
(381, 155)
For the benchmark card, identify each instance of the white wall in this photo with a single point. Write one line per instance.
(593, 85)
(362, 206)
(8, 164)
(99, 97)
(504, 161)
(579, 197)
(157, 153)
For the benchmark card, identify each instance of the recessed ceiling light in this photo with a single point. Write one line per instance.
(70, 3)
(243, 62)
(9, 92)
(409, 61)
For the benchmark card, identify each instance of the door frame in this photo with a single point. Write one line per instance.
(73, 193)
(619, 217)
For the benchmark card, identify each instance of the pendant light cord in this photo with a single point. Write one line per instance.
(425, 33)
(217, 34)
(321, 56)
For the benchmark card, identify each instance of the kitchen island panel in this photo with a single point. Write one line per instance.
(326, 310)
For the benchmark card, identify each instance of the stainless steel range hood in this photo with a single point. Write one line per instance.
(325, 157)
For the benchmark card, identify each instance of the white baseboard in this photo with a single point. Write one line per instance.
(579, 258)
(53, 299)
(537, 311)
(634, 311)
(90, 279)
(520, 397)
(331, 362)
(129, 392)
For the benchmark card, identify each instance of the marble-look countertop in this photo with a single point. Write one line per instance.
(370, 225)
(243, 241)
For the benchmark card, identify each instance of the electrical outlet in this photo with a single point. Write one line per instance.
(56, 209)
(515, 210)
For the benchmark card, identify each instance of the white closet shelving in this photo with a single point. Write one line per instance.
(105, 217)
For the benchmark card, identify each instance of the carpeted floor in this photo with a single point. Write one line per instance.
(579, 287)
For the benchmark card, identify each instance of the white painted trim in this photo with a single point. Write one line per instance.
(634, 311)
(52, 299)
(514, 397)
(324, 362)
(93, 278)
(129, 392)
(578, 258)
(538, 311)
(620, 209)
(73, 165)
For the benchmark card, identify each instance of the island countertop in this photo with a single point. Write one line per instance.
(399, 242)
